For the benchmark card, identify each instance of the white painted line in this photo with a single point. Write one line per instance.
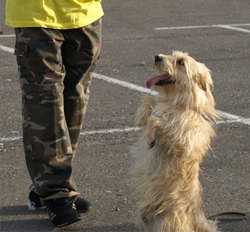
(237, 24)
(7, 49)
(242, 121)
(123, 83)
(230, 26)
(227, 116)
(104, 131)
(245, 121)
(183, 27)
(230, 118)
(128, 85)
(10, 138)
(6, 36)
(131, 129)
(234, 28)
(110, 131)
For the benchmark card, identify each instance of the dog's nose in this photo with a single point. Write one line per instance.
(158, 58)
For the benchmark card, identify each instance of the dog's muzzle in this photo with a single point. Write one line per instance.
(158, 59)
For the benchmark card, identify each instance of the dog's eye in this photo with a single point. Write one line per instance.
(180, 62)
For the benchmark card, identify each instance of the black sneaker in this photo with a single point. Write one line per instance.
(82, 205)
(34, 202)
(62, 211)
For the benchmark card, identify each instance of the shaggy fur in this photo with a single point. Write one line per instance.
(176, 133)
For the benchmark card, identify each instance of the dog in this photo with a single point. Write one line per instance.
(177, 128)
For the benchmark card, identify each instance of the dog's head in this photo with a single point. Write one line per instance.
(184, 82)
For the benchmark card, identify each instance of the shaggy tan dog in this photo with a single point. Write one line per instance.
(176, 133)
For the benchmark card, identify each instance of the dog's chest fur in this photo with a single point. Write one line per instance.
(183, 130)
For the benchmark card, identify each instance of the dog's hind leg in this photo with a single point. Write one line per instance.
(201, 224)
(207, 226)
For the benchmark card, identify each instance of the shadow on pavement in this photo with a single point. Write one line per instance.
(19, 210)
(20, 218)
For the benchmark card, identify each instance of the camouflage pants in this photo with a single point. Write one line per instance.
(56, 68)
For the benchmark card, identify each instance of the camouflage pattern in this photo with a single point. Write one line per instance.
(56, 68)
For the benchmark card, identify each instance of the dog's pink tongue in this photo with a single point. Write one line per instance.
(153, 80)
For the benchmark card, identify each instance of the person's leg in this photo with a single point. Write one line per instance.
(46, 138)
(80, 52)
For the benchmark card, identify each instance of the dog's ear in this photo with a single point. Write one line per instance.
(202, 82)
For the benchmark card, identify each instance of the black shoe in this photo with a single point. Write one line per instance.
(82, 205)
(62, 211)
(34, 202)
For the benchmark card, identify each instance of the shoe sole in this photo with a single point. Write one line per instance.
(32, 208)
(68, 222)
(85, 210)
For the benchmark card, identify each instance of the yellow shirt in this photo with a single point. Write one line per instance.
(56, 14)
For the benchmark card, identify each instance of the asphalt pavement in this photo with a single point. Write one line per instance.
(215, 32)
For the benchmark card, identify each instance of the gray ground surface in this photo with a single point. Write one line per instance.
(103, 160)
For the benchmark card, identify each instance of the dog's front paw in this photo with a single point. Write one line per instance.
(150, 144)
(150, 139)
(144, 111)
(141, 121)
(142, 116)
(147, 215)
(155, 126)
